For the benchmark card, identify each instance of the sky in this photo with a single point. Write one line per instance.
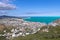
(30, 7)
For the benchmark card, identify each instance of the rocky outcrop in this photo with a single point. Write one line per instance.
(55, 23)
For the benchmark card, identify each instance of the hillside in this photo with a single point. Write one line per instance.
(1, 27)
(18, 29)
(15, 27)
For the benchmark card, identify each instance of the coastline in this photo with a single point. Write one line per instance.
(43, 19)
(20, 27)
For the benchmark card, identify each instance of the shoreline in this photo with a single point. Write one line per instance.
(22, 27)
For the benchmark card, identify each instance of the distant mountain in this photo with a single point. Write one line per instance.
(4, 16)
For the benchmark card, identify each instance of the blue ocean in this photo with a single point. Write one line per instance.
(41, 19)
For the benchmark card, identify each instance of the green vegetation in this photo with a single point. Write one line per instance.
(2, 38)
(53, 34)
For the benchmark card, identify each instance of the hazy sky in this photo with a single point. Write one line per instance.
(35, 8)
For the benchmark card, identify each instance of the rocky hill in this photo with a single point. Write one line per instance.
(55, 23)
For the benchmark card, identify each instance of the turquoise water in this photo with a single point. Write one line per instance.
(42, 19)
